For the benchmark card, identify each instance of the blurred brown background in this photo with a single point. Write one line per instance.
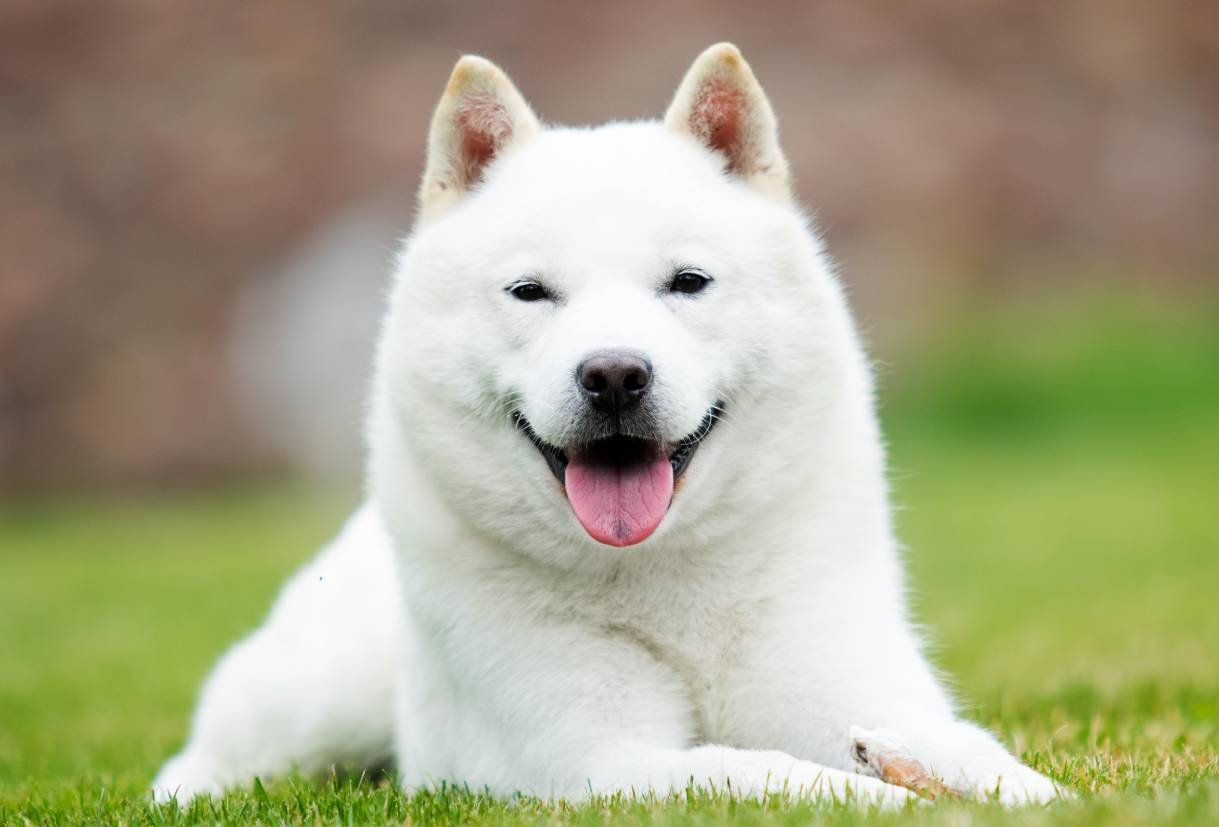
(198, 201)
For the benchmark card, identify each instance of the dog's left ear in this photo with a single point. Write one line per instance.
(722, 106)
(480, 116)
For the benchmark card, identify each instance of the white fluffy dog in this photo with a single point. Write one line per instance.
(628, 526)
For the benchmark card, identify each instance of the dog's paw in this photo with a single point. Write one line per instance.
(752, 774)
(873, 792)
(183, 778)
(884, 754)
(977, 768)
(1018, 786)
(814, 781)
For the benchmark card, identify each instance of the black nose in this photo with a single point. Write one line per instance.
(614, 380)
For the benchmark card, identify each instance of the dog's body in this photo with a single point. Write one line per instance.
(640, 312)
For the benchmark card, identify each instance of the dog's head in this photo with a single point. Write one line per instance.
(596, 329)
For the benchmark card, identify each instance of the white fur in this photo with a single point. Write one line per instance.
(737, 645)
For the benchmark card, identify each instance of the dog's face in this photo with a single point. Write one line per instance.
(584, 316)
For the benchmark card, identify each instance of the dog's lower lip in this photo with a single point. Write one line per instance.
(556, 458)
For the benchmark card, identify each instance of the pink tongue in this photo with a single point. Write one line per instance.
(620, 506)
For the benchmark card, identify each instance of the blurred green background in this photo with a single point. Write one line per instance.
(198, 206)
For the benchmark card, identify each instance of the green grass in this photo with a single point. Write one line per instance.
(1058, 475)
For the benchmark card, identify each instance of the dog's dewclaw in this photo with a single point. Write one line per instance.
(886, 756)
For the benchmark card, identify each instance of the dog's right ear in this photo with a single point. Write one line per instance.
(480, 115)
(721, 105)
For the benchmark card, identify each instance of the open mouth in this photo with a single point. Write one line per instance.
(620, 486)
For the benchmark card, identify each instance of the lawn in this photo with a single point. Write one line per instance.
(1057, 471)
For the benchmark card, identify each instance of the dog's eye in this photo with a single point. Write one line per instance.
(689, 281)
(528, 291)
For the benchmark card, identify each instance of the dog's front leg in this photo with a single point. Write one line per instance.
(512, 704)
(749, 773)
(911, 711)
(805, 693)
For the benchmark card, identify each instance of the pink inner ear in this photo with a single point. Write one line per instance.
(716, 119)
(485, 127)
